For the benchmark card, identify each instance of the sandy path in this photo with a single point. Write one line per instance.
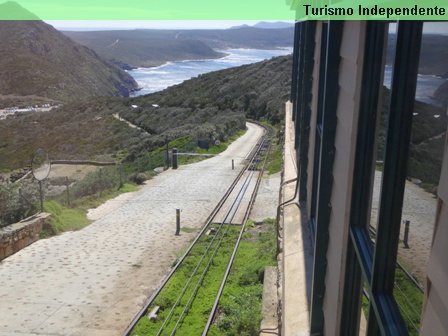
(117, 116)
(75, 172)
(93, 281)
(420, 209)
(267, 198)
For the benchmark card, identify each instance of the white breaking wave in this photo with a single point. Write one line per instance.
(172, 73)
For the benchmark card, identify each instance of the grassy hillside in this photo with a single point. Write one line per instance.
(427, 141)
(36, 59)
(142, 48)
(74, 131)
(89, 130)
(148, 47)
(257, 90)
(210, 106)
(244, 37)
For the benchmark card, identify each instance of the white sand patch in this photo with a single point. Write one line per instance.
(420, 209)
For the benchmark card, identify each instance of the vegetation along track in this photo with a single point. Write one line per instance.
(187, 299)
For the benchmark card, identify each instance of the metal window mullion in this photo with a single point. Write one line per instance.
(305, 112)
(325, 180)
(318, 128)
(300, 83)
(359, 250)
(387, 319)
(295, 59)
(351, 304)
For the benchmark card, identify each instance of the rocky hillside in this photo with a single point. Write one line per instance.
(429, 127)
(36, 59)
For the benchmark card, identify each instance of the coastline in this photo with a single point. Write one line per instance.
(156, 79)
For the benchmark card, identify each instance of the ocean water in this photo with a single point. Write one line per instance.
(172, 73)
(426, 86)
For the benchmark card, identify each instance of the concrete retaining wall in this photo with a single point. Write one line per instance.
(16, 236)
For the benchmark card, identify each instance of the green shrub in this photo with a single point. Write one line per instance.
(138, 178)
(63, 218)
(17, 201)
(96, 182)
(239, 311)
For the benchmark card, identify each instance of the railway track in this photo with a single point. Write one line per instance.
(207, 262)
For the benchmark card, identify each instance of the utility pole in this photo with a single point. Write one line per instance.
(41, 193)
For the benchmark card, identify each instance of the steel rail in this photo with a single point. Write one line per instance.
(199, 263)
(372, 230)
(231, 212)
(232, 258)
(208, 222)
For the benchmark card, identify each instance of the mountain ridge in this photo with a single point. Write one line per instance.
(36, 59)
(151, 47)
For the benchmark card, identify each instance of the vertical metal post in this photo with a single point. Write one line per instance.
(406, 233)
(167, 155)
(331, 56)
(177, 222)
(295, 62)
(174, 158)
(100, 180)
(41, 197)
(359, 249)
(387, 319)
(67, 191)
(305, 107)
(120, 170)
(233, 165)
(297, 107)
